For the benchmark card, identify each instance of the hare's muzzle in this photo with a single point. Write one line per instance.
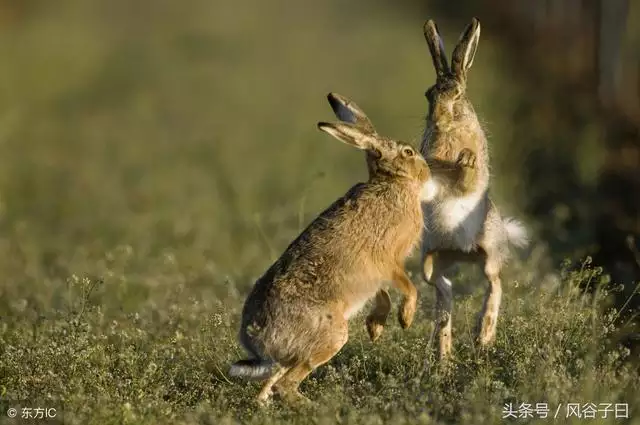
(424, 172)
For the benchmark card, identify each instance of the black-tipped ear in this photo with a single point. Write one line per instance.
(348, 111)
(436, 47)
(466, 49)
(349, 134)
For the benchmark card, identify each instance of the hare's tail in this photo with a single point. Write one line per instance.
(252, 369)
(516, 232)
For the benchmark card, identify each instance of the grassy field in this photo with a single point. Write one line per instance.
(156, 157)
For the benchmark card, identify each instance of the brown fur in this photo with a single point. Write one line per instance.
(295, 318)
(462, 224)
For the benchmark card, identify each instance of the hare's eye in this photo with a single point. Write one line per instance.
(408, 152)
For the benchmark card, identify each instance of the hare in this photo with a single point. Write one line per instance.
(348, 111)
(295, 318)
(462, 224)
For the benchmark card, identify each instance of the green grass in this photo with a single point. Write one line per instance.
(163, 357)
(156, 157)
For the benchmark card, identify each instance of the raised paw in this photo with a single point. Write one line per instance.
(467, 158)
(406, 312)
(374, 328)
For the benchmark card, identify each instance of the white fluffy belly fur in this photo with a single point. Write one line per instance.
(452, 222)
(461, 212)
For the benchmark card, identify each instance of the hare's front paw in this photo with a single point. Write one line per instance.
(374, 328)
(467, 158)
(406, 313)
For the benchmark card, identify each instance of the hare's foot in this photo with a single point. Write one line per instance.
(335, 338)
(408, 308)
(406, 312)
(443, 328)
(488, 319)
(291, 394)
(296, 398)
(378, 316)
(264, 397)
(374, 328)
(485, 331)
(443, 337)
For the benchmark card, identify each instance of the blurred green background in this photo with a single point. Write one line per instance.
(188, 128)
(161, 124)
(156, 156)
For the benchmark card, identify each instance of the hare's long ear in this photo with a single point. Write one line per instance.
(349, 134)
(436, 47)
(346, 110)
(466, 49)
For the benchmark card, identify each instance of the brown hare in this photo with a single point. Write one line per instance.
(462, 224)
(295, 318)
(348, 111)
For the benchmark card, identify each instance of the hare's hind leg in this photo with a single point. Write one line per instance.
(494, 245)
(332, 341)
(266, 391)
(378, 316)
(488, 318)
(440, 264)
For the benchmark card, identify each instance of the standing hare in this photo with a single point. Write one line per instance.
(295, 318)
(462, 224)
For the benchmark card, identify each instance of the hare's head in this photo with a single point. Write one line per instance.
(447, 97)
(383, 154)
(385, 157)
